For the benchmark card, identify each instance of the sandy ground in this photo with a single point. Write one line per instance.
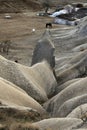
(18, 29)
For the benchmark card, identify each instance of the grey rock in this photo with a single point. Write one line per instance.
(71, 104)
(59, 123)
(44, 50)
(82, 27)
(76, 89)
(38, 81)
(12, 95)
(66, 84)
(79, 112)
(75, 68)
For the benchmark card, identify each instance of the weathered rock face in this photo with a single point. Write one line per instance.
(44, 50)
(11, 95)
(73, 69)
(66, 40)
(80, 129)
(60, 2)
(72, 66)
(79, 112)
(70, 101)
(66, 84)
(82, 12)
(82, 27)
(69, 105)
(18, 113)
(70, 19)
(59, 123)
(71, 52)
(61, 100)
(38, 81)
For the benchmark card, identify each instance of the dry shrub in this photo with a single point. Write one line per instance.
(84, 117)
(13, 114)
(5, 45)
(19, 126)
(26, 126)
(2, 127)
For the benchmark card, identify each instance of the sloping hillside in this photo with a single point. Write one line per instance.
(17, 5)
(21, 5)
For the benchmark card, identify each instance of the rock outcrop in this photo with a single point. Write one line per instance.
(12, 95)
(44, 50)
(59, 123)
(72, 93)
(66, 97)
(79, 112)
(38, 81)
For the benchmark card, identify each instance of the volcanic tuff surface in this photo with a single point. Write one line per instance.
(31, 96)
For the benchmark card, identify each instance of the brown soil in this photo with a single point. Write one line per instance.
(18, 29)
(18, 5)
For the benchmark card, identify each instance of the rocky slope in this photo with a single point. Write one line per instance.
(18, 5)
(29, 95)
(68, 98)
(23, 5)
